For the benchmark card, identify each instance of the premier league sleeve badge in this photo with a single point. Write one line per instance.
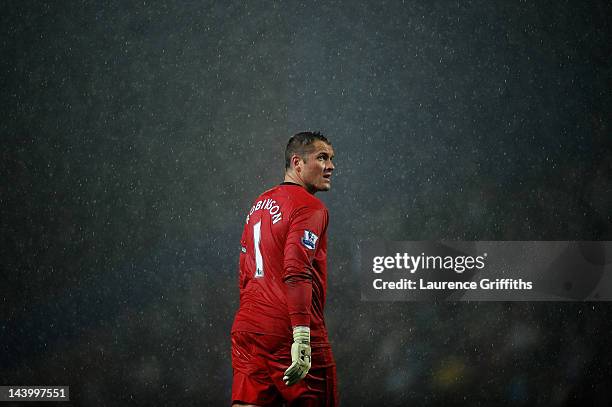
(309, 240)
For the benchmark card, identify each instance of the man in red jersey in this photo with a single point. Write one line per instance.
(280, 351)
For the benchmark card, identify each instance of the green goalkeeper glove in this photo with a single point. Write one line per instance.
(300, 356)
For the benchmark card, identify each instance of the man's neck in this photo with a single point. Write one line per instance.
(290, 178)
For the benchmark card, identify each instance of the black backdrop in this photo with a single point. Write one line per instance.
(136, 135)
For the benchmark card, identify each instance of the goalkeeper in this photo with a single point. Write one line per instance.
(281, 354)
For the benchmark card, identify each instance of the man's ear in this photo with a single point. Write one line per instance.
(296, 160)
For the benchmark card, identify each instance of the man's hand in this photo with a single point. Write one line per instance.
(300, 356)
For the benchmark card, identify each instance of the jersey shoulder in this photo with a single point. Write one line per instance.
(301, 198)
(291, 199)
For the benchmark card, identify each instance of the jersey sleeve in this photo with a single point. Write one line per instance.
(242, 278)
(305, 230)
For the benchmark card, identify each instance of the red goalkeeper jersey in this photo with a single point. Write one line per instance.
(283, 265)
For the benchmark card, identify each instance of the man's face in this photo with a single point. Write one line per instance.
(316, 167)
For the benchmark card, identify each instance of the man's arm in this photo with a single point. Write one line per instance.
(299, 298)
(306, 227)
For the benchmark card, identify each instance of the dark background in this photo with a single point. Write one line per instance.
(135, 136)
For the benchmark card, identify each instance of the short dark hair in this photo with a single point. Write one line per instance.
(301, 144)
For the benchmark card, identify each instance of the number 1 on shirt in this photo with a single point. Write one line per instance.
(259, 271)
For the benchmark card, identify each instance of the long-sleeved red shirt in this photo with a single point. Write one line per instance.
(283, 265)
